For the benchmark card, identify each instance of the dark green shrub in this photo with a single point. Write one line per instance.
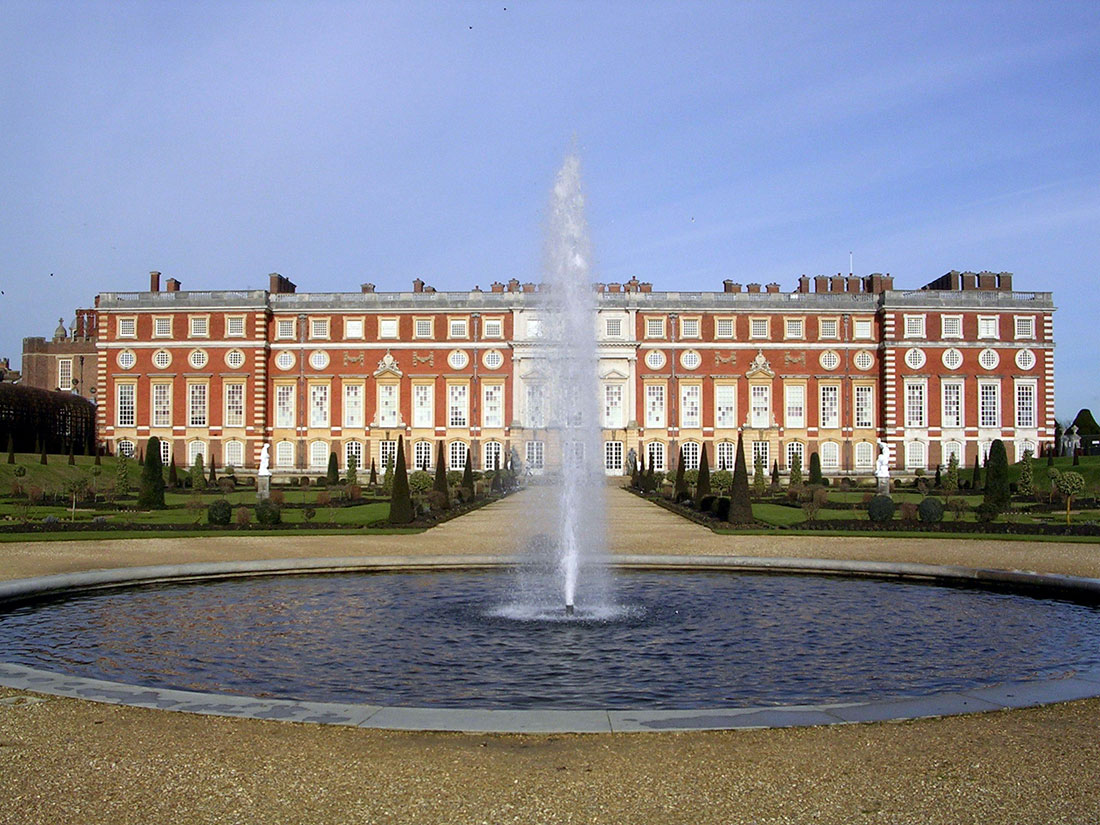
(401, 508)
(997, 493)
(720, 481)
(151, 489)
(20, 471)
(420, 481)
(815, 469)
(931, 510)
(244, 515)
(438, 502)
(684, 497)
(706, 504)
(219, 512)
(881, 509)
(986, 512)
(268, 512)
(309, 513)
(333, 474)
(440, 484)
(722, 508)
(740, 509)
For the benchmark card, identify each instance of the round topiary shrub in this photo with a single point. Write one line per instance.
(268, 512)
(420, 481)
(219, 512)
(20, 471)
(930, 510)
(881, 509)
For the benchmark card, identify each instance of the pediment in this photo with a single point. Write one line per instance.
(614, 372)
(760, 367)
(388, 366)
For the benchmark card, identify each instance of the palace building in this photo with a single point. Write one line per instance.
(833, 367)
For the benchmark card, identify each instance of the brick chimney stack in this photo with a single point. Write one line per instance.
(173, 285)
(154, 281)
(367, 288)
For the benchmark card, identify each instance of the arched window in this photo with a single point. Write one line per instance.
(691, 455)
(318, 455)
(1024, 446)
(724, 455)
(655, 456)
(916, 455)
(865, 454)
(534, 452)
(491, 454)
(126, 448)
(165, 451)
(234, 453)
(422, 455)
(457, 454)
(830, 455)
(353, 454)
(194, 450)
(796, 448)
(284, 454)
(952, 448)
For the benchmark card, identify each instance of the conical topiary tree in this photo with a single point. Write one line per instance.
(951, 477)
(11, 449)
(1026, 484)
(332, 477)
(468, 473)
(976, 476)
(151, 489)
(440, 483)
(42, 458)
(759, 482)
(815, 469)
(401, 507)
(775, 474)
(702, 483)
(173, 473)
(796, 469)
(373, 480)
(680, 486)
(740, 503)
(198, 474)
(996, 477)
(213, 472)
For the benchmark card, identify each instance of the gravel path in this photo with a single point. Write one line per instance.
(65, 761)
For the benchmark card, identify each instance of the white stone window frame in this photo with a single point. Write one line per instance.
(198, 404)
(282, 325)
(656, 456)
(796, 448)
(285, 360)
(760, 406)
(423, 399)
(232, 453)
(457, 451)
(867, 423)
(725, 455)
(829, 360)
(944, 332)
(989, 359)
(721, 320)
(353, 408)
(794, 328)
(458, 328)
(165, 451)
(126, 326)
(492, 456)
(760, 328)
(458, 405)
(458, 359)
(613, 456)
(613, 328)
(320, 328)
(126, 447)
(864, 455)
(350, 331)
(656, 406)
(915, 358)
(1028, 331)
(233, 355)
(864, 360)
(823, 326)
(654, 326)
(952, 358)
(614, 395)
(126, 360)
(960, 420)
(320, 405)
(691, 327)
(319, 450)
(195, 448)
(794, 408)
(423, 455)
(389, 328)
(534, 455)
(198, 359)
(916, 455)
(690, 359)
(915, 414)
(387, 414)
(158, 320)
(763, 451)
(229, 418)
(1031, 384)
(722, 408)
(857, 323)
(493, 328)
(829, 453)
(989, 422)
(914, 326)
(198, 326)
(828, 411)
(160, 409)
(1025, 359)
(692, 454)
(423, 327)
(353, 450)
(492, 394)
(655, 359)
(126, 413)
(244, 326)
(493, 359)
(162, 359)
(284, 454)
(285, 401)
(319, 359)
(691, 398)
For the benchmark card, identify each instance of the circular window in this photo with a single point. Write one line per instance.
(989, 359)
(127, 359)
(1025, 359)
(162, 358)
(690, 359)
(914, 359)
(654, 359)
(197, 358)
(318, 359)
(284, 360)
(829, 359)
(234, 358)
(458, 359)
(492, 359)
(864, 360)
(952, 358)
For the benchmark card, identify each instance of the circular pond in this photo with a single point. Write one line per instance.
(680, 640)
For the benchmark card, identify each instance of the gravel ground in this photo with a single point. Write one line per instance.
(66, 761)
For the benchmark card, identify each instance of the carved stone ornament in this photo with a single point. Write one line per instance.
(428, 359)
(723, 359)
(388, 364)
(760, 366)
(800, 358)
(353, 359)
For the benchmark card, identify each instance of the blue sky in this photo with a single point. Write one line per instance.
(338, 143)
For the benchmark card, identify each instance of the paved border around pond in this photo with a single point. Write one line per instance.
(1081, 685)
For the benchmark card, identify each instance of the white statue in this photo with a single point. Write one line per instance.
(265, 461)
(882, 467)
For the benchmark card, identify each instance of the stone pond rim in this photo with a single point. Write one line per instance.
(1085, 684)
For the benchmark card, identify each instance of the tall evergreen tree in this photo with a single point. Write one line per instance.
(796, 469)
(122, 475)
(213, 471)
(42, 458)
(815, 468)
(440, 484)
(1026, 484)
(951, 479)
(681, 486)
(996, 477)
(702, 484)
(151, 490)
(72, 458)
(775, 474)
(332, 476)
(173, 473)
(198, 474)
(401, 507)
(740, 503)
(98, 461)
(976, 475)
(468, 473)
(11, 449)
(759, 482)
(373, 480)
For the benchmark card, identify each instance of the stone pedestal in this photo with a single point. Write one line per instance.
(883, 486)
(263, 487)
